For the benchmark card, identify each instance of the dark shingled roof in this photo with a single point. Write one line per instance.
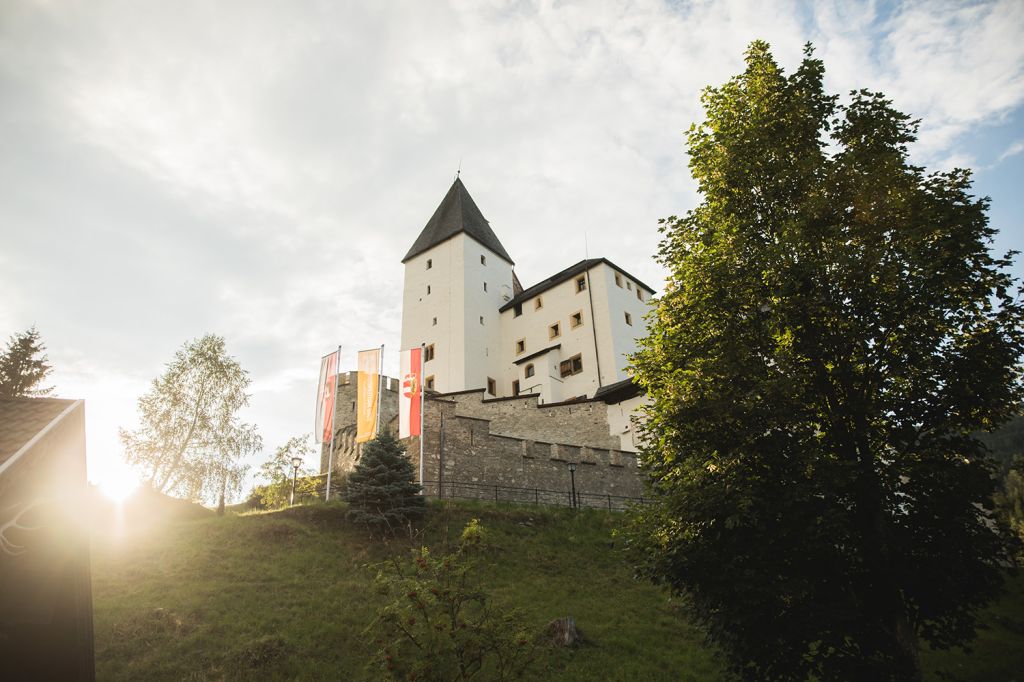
(22, 418)
(564, 275)
(457, 213)
(619, 391)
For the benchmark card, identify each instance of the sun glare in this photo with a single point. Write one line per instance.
(118, 484)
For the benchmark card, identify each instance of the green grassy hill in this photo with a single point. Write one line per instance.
(288, 595)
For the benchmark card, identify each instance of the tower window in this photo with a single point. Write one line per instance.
(538, 303)
(430, 263)
(629, 286)
(529, 370)
(520, 346)
(618, 280)
(492, 386)
(483, 259)
(639, 294)
(581, 284)
(573, 365)
(428, 290)
(629, 319)
(576, 319)
(554, 331)
(485, 286)
(429, 355)
(429, 382)
(481, 319)
(434, 323)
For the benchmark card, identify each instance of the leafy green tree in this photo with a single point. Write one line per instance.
(190, 442)
(833, 330)
(24, 366)
(381, 491)
(440, 622)
(278, 470)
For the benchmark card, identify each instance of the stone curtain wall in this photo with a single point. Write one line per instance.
(468, 452)
(512, 443)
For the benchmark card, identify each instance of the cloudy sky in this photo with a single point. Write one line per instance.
(258, 169)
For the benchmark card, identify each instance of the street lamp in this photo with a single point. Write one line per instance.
(296, 463)
(572, 476)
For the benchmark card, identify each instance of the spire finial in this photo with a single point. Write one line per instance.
(458, 172)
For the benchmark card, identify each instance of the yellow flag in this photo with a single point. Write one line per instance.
(366, 394)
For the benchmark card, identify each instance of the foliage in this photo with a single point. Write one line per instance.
(278, 471)
(1010, 502)
(190, 441)
(833, 330)
(24, 366)
(380, 490)
(440, 622)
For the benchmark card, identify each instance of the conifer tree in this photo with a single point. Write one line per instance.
(381, 491)
(24, 366)
(833, 333)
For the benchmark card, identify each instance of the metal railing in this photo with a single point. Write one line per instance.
(489, 492)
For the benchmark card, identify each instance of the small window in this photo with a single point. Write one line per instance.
(520, 346)
(492, 386)
(430, 263)
(483, 259)
(639, 294)
(428, 290)
(581, 284)
(434, 323)
(618, 280)
(430, 353)
(629, 286)
(538, 303)
(573, 365)
(529, 371)
(576, 319)
(485, 286)
(515, 387)
(517, 310)
(629, 319)
(554, 331)
(481, 319)
(429, 383)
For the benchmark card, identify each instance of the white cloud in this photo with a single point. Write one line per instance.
(1013, 150)
(258, 169)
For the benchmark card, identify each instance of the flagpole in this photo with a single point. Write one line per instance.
(334, 411)
(423, 427)
(380, 382)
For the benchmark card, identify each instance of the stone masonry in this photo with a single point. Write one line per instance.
(474, 444)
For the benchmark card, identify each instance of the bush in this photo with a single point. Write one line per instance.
(440, 623)
(380, 491)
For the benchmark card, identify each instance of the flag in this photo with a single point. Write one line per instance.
(409, 397)
(366, 394)
(325, 397)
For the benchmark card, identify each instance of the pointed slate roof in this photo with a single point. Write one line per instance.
(457, 213)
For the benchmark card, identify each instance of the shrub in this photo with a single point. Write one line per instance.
(440, 622)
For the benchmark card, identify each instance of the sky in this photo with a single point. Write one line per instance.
(258, 169)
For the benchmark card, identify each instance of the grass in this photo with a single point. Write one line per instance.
(288, 595)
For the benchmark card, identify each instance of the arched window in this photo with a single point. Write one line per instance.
(529, 370)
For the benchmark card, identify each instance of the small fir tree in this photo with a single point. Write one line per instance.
(24, 366)
(380, 490)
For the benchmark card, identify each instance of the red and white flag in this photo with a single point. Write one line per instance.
(409, 397)
(325, 397)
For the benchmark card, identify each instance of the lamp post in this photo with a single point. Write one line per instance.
(296, 463)
(572, 477)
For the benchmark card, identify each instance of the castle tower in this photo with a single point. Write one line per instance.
(457, 276)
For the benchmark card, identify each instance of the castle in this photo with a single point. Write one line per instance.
(522, 382)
